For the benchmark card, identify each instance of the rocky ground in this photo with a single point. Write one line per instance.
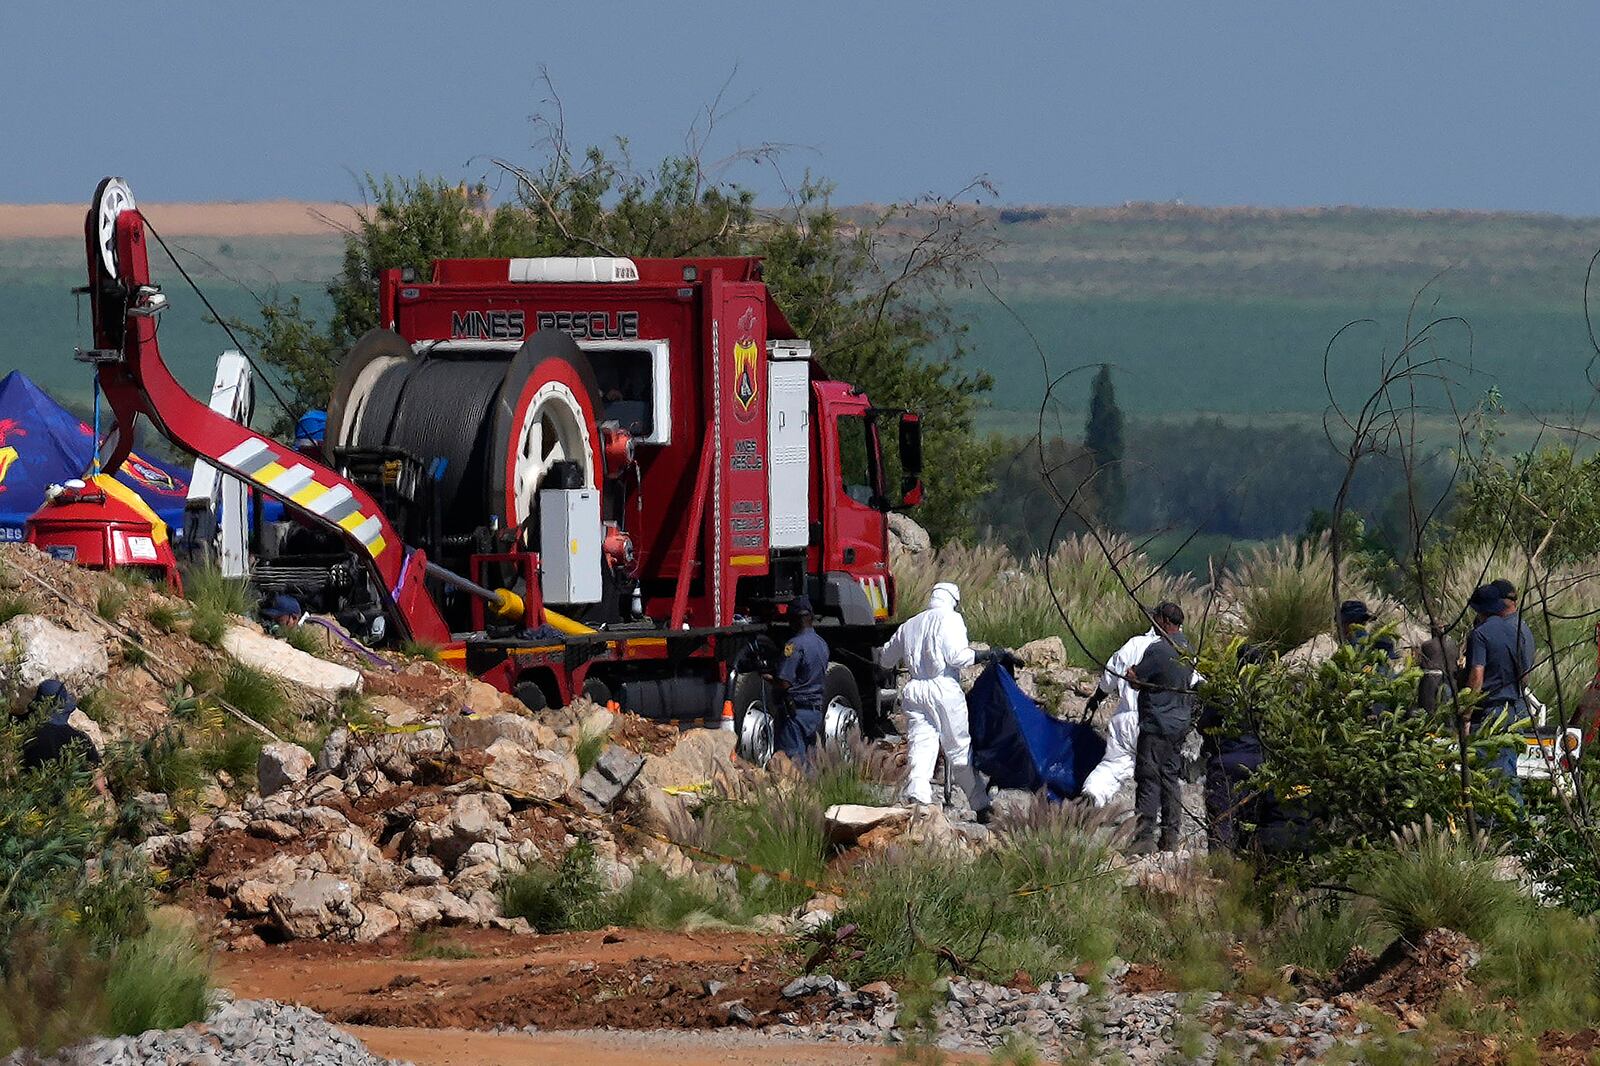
(416, 790)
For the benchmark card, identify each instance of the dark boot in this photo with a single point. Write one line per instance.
(1169, 842)
(1141, 846)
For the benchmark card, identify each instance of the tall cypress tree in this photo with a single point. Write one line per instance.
(1102, 436)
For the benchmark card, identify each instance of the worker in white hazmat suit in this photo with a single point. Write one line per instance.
(1115, 768)
(934, 647)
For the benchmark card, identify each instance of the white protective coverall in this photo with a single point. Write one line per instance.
(934, 647)
(1122, 735)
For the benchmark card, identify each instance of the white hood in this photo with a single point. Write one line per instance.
(944, 597)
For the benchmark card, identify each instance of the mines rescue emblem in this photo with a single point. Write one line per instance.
(746, 356)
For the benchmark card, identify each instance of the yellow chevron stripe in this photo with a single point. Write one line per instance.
(377, 546)
(307, 494)
(269, 473)
(352, 520)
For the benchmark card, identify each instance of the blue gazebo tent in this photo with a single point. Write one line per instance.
(42, 443)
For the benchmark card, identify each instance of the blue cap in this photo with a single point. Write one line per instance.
(311, 426)
(280, 607)
(801, 605)
(1487, 599)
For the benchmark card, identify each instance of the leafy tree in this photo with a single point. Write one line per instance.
(1547, 502)
(1020, 511)
(867, 292)
(1102, 435)
(1344, 743)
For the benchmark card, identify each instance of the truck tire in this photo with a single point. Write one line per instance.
(752, 720)
(841, 709)
(531, 695)
(596, 691)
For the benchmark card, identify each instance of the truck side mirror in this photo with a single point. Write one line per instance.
(910, 459)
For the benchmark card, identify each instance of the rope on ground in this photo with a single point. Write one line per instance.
(176, 675)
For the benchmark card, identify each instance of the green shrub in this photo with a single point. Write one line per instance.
(653, 900)
(53, 992)
(1042, 900)
(1437, 879)
(163, 617)
(589, 747)
(112, 601)
(557, 899)
(237, 752)
(133, 654)
(1545, 960)
(779, 827)
(420, 649)
(160, 980)
(431, 944)
(256, 693)
(209, 591)
(98, 704)
(1315, 935)
(207, 626)
(303, 638)
(857, 775)
(1284, 589)
(115, 906)
(47, 831)
(12, 605)
(165, 762)
(1356, 774)
(1189, 922)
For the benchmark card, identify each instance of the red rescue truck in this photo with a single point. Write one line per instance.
(594, 475)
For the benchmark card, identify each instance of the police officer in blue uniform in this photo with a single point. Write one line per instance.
(799, 683)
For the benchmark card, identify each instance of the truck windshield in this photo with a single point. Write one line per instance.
(856, 466)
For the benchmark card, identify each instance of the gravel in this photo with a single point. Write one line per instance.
(1065, 1016)
(1062, 1017)
(243, 1033)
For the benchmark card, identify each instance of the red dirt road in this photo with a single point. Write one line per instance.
(632, 984)
(454, 1047)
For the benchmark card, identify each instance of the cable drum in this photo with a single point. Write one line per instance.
(440, 409)
(500, 421)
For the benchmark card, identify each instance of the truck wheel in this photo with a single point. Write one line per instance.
(531, 695)
(596, 691)
(841, 709)
(752, 722)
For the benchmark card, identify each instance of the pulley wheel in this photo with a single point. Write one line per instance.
(545, 414)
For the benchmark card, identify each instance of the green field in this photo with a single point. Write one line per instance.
(41, 321)
(1218, 311)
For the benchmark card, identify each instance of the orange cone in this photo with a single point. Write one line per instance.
(727, 715)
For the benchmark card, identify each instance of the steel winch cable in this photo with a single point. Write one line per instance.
(254, 366)
(441, 409)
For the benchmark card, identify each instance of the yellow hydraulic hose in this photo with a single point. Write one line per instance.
(562, 623)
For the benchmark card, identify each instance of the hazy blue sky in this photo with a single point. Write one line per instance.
(1461, 104)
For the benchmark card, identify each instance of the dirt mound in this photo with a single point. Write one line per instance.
(1410, 979)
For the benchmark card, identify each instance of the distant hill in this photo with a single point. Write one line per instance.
(1223, 310)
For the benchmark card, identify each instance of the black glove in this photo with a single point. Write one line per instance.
(1096, 700)
(1000, 657)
